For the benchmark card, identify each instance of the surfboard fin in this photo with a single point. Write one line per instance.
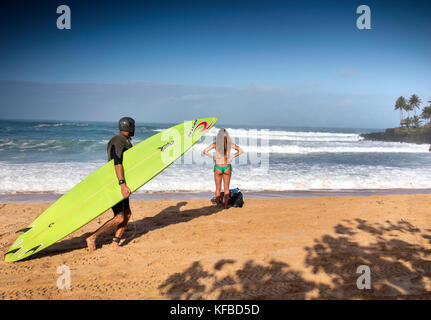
(24, 230)
(34, 249)
(12, 251)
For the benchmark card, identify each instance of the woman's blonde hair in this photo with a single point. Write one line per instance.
(223, 144)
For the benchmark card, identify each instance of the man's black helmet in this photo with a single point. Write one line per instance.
(127, 124)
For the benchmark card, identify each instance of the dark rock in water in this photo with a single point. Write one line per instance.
(420, 135)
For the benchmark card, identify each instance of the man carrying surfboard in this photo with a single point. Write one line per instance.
(116, 147)
(100, 191)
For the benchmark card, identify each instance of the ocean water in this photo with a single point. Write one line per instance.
(53, 156)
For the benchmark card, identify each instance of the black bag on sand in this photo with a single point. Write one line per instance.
(236, 198)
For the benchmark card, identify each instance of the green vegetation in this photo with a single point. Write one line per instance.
(411, 129)
(413, 104)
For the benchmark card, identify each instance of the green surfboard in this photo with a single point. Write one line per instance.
(100, 190)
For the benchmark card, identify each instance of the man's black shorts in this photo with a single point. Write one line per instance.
(121, 206)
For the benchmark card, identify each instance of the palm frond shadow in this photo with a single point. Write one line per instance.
(399, 269)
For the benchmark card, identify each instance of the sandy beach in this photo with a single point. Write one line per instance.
(297, 248)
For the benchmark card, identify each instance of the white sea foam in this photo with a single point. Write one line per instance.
(44, 176)
(297, 161)
(288, 135)
(72, 146)
(60, 177)
(261, 146)
(42, 125)
(284, 135)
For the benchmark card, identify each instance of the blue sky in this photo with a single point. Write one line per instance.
(304, 60)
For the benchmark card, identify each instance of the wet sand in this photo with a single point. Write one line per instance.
(51, 197)
(278, 248)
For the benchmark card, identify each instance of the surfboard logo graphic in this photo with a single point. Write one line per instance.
(192, 128)
(163, 148)
(205, 125)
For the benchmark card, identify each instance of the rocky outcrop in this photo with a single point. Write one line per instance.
(411, 135)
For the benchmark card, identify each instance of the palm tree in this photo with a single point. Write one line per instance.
(416, 121)
(408, 107)
(400, 105)
(414, 101)
(426, 113)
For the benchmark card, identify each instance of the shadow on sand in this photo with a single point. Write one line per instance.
(398, 269)
(135, 229)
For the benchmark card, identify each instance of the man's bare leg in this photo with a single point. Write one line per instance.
(121, 228)
(109, 225)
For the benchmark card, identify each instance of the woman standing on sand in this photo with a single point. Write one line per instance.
(222, 163)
